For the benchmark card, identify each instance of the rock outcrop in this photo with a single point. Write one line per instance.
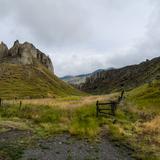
(26, 54)
(3, 50)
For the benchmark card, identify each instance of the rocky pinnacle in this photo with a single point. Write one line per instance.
(26, 54)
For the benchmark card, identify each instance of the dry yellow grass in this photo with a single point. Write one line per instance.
(152, 127)
(67, 102)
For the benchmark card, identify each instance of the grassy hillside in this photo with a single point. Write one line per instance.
(26, 81)
(146, 96)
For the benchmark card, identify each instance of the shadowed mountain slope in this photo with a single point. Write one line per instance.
(126, 78)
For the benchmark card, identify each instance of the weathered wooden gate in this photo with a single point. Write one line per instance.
(108, 106)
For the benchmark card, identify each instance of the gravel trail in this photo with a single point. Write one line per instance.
(65, 147)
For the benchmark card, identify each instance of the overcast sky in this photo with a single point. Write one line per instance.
(81, 36)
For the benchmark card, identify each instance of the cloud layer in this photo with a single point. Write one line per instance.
(84, 35)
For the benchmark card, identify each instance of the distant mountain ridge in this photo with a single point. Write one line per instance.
(78, 79)
(126, 78)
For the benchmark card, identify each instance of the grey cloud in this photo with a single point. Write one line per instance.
(84, 35)
(76, 22)
(53, 22)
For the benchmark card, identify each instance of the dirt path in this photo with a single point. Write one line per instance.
(63, 147)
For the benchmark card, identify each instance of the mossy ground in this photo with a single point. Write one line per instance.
(135, 125)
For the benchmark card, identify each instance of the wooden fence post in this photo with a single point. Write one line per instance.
(0, 102)
(113, 108)
(97, 108)
(20, 105)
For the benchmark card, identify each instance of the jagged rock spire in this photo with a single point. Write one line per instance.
(3, 50)
(25, 54)
(16, 42)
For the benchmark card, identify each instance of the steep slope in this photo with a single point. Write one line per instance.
(26, 72)
(25, 81)
(127, 77)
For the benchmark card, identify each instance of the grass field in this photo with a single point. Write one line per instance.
(135, 125)
(49, 116)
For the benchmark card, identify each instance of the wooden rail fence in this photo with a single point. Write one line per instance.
(4, 103)
(108, 106)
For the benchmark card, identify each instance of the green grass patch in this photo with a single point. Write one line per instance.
(47, 120)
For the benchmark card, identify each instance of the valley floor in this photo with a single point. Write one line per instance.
(46, 129)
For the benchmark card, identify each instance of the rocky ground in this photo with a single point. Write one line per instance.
(19, 145)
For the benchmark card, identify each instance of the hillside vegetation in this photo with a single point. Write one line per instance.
(29, 81)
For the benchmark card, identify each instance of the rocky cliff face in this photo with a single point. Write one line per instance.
(124, 78)
(3, 50)
(26, 54)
